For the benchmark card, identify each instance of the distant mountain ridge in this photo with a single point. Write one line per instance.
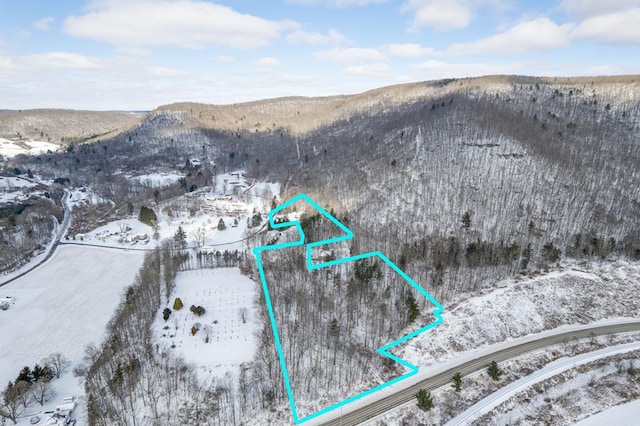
(297, 115)
(63, 125)
(300, 115)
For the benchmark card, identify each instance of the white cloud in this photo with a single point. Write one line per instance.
(133, 51)
(441, 15)
(530, 36)
(268, 64)
(185, 23)
(268, 61)
(166, 72)
(314, 38)
(339, 3)
(379, 69)
(43, 24)
(351, 55)
(59, 60)
(224, 59)
(437, 69)
(409, 50)
(609, 70)
(619, 28)
(590, 8)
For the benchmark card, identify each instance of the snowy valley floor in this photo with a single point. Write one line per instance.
(62, 307)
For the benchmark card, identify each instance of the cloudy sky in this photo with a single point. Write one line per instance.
(138, 54)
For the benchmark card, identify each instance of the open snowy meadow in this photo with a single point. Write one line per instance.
(62, 307)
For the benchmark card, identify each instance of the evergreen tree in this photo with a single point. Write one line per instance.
(550, 253)
(457, 381)
(25, 375)
(38, 372)
(180, 238)
(256, 220)
(526, 257)
(197, 310)
(412, 306)
(334, 328)
(147, 216)
(425, 402)
(166, 314)
(466, 220)
(221, 225)
(513, 252)
(494, 371)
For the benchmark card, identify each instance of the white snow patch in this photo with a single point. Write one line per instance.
(9, 148)
(621, 415)
(157, 180)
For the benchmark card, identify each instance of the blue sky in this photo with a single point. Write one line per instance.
(139, 54)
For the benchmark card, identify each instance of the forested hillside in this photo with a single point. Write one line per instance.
(460, 182)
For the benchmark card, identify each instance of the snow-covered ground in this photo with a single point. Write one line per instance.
(62, 307)
(83, 196)
(224, 340)
(197, 213)
(519, 307)
(121, 233)
(10, 148)
(621, 415)
(157, 180)
(14, 189)
(9, 183)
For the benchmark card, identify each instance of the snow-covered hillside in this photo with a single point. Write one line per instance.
(517, 307)
(9, 148)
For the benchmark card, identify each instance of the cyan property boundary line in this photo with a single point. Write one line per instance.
(412, 369)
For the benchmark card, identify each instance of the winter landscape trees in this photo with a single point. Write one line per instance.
(460, 187)
(31, 385)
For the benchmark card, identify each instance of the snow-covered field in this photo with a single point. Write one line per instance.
(14, 189)
(157, 180)
(10, 148)
(224, 340)
(61, 307)
(83, 196)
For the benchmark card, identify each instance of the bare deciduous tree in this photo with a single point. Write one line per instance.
(42, 391)
(58, 363)
(199, 235)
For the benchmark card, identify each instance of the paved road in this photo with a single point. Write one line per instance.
(376, 408)
(62, 229)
